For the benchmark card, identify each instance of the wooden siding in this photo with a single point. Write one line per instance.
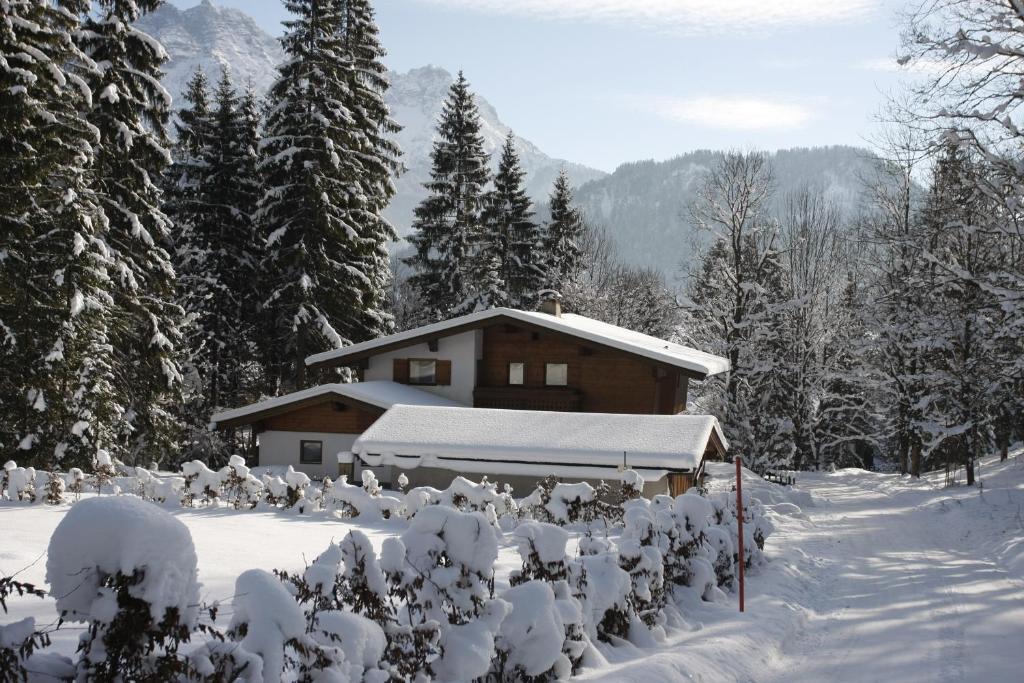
(608, 381)
(332, 417)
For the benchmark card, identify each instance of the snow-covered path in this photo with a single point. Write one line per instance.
(901, 588)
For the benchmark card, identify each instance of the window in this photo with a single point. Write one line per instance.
(311, 452)
(556, 374)
(422, 372)
(516, 373)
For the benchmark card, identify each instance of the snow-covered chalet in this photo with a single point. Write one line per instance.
(514, 395)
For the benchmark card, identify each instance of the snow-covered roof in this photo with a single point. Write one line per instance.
(568, 323)
(536, 442)
(382, 394)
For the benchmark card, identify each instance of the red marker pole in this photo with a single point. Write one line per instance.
(739, 519)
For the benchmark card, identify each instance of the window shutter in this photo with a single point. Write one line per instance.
(443, 370)
(401, 370)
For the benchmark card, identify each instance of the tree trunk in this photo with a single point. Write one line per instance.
(971, 442)
(1004, 451)
(902, 454)
(915, 459)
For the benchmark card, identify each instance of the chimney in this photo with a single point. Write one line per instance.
(550, 303)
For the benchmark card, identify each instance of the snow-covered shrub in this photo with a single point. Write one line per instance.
(413, 640)
(21, 483)
(240, 488)
(563, 503)
(692, 514)
(73, 482)
(201, 483)
(54, 488)
(542, 549)
(468, 496)
(275, 490)
(403, 482)
(632, 486)
(103, 471)
(296, 482)
(267, 622)
(361, 642)
(365, 586)
(603, 589)
(370, 483)
(756, 526)
(5, 478)
(723, 556)
(127, 569)
(19, 640)
(454, 553)
(640, 554)
(358, 501)
(531, 643)
(442, 571)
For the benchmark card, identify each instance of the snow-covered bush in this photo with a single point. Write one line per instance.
(73, 482)
(240, 488)
(19, 640)
(640, 554)
(413, 640)
(364, 582)
(632, 486)
(532, 643)
(5, 477)
(564, 503)
(756, 526)
(365, 502)
(442, 571)
(542, 549)
(127, 569)
(54, 488)
(201, 483)
(603, 589)
(463, 494)
(103, 471)
(21, 482)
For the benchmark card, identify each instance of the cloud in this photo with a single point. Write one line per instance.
(732, 113)
(686, 16)
(917, 66)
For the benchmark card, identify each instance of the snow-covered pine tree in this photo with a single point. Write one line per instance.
(130, 110)
(185, 178)
(56, 398)
(214, 183)
(562, 235)
(957, 312)
(509, 237)
(448, 221)
(379, 158)
(324, 190)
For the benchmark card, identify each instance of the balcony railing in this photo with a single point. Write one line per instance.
(562, 399)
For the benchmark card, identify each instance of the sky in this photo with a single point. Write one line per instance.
(603, 82)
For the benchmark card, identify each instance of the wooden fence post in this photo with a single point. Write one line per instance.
(739, 520)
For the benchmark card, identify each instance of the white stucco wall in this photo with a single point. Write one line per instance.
(282, 449)
(461, 349)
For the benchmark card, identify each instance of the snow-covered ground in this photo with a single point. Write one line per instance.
(872, 577)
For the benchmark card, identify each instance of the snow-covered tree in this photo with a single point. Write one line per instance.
(57, 399)
(509, 238)
(562, 237)
(448, 221)
(130, 111)
(326, 166)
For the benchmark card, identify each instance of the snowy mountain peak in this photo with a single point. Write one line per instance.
(210, 36)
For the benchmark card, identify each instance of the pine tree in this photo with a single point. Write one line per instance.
(56, 398)
(509, 237)
(218, 250)
(379, 160)
(447, 222)
(186, 177)
(130, 111)
(325, 168)
(562, 236)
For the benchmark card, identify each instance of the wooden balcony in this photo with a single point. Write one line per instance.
(562, 399)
